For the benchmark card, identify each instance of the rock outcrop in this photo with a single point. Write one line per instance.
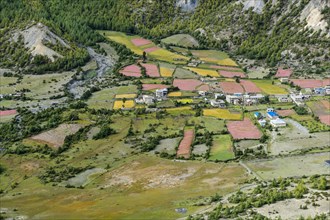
(257, 5)
(312, 14)
(187, 5)
(38, 39)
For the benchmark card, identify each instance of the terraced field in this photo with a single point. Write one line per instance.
(137, 45)
(214, 56)
(106, 97)
(267, 87)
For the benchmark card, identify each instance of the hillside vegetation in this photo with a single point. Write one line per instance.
(282, 31)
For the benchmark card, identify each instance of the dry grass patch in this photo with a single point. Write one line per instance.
(166, 72)
(55, 137)
(126, 96)
(204, 72)
(222, 113)
(120, 104)
(175, 94)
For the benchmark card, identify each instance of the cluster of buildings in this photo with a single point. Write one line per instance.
(273, 118)
(160, 94)
(322, 90)
(244, 99)
(299, 99)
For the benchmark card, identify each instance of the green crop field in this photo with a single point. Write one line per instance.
(209, 124)
(222, 114)
(181, 73)
(183, 40)
(222, 148)
(180, 50)
(166, 69)
(124, 39)
(160, 54)
(214, 56)
(165, 55)
(267, 87)
(187, 110)
(105, 98)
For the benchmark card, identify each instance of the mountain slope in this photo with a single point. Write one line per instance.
(272, 31)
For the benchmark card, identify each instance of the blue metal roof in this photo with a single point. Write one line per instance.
(272, 114)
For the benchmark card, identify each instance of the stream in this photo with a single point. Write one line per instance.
(104, 63)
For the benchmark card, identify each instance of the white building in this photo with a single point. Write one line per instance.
(161, 93)
(139, 101)
(262, 122)
(327, 90)
(218, 103)
(233, 99)
(218, 95)
(252, 99)
(299, 99)
(284, 99)
(202, 93)
(147, 99)
(278, 123)
(284, 79)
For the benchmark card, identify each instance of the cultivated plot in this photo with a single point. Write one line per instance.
(250, 87)
(119, 104)
(214, 56)
(187, 84)
(183, 40)
(242, 130)
(231, 87)
(153, 86)
(231, 74)
(131, 70)
(222, 114)
(184, 149)
(139, 45)
(204, 72)
(222, 148)
(267, 87)
(310, 83)
(182, 73)
(151, 69)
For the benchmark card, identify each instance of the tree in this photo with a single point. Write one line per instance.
(322, 185)
(144, 56)
(104, 132)
(2, 169)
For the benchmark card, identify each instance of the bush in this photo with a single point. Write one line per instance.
(104, 132)
(2, 169)
(300, 110)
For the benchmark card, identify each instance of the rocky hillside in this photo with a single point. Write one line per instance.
(36, 49)
(39, 40)
(312, 14)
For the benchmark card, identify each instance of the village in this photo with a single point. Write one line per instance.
(170, 118)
